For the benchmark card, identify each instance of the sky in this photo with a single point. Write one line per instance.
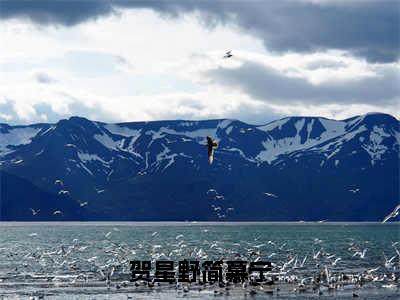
(121, 61)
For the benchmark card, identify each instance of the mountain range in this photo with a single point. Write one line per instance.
(292, 169)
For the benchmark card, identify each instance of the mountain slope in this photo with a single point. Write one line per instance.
(22, 201)
(297, 168)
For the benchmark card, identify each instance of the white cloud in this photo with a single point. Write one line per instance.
(139, 66)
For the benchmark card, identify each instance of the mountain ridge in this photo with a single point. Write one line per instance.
(197, 120)
(140, 166)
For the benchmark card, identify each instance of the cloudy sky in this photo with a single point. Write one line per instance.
(119, 61)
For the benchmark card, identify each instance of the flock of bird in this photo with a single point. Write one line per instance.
(221, 209)
(104, 262)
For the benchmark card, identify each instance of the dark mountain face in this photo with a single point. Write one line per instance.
(298, 168)
(23, 201)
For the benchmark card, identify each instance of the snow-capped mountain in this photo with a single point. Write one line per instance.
(296, 168)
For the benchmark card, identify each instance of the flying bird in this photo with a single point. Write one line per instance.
(270, 195)
(373, 270)
(59, 182)
(212, 191)
(35, 212)
(393, 214)
(336, 261)
(361, 254)
(228, 54)
(211, 144)
(389, 262)
(354, 190)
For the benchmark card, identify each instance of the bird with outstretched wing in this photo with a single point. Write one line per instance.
(211, 145)
(228, 54)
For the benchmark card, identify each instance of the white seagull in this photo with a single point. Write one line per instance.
(271, 195)
(336, 261)
(393, 214)
(389, 262)
(361, 254)
(59, 182)
(212, 191)
(34, 212)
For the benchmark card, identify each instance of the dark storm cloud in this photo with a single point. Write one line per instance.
(56, 12)
(366, 28)
(267, 84)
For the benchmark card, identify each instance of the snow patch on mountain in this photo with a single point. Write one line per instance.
(51, 128)
(81, 165)
(16, 137)
(121, 130)
(375, 148)
(333, 146)
(272, 125)
(353, 123)
(199, 135)
(118, 145)
(224, 123)
(240, 152)
(333, 128)
(108, 142)
(397, 137)
(164, 155)
(309, 128)
(229, 130)
(184, 155)
(155, 135)
(275, 147)
(86, 157)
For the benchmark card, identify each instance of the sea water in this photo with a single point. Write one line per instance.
(90, 260)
